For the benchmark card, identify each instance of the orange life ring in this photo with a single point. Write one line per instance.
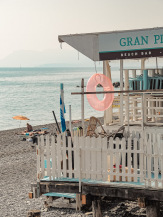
(100, 105)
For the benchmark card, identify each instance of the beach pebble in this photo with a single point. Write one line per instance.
(18, 171)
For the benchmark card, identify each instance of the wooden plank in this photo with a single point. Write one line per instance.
(123, 158)
(61, 204)
(42, 157)
(30, 195)
(78, 202)
(109, 190)
(54, 158)
(38, 147)
(161, 159)
(118, 159)
(98, 158)
(34, 213)
(129, 193)
(87, 157)
(111, 155)
(156, 164)
(64, 157)
(59, 188)
(93, 158)
(142, 161)
(135, 159)
(153, 209)
(104, 159)
(83, 156)
(141, 202)
(76, 157)
(59, 157)
(149, 160)
(79, 159)
(96, 208)
(48, 156)
(70, 157)
(84, 200)
(128, 175)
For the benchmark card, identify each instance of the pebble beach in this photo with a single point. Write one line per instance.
(18, 171)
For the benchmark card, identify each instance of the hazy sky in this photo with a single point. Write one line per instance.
(35, 24)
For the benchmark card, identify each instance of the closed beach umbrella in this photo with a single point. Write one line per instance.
(62, 109)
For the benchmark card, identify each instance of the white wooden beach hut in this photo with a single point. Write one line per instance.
(127, 168)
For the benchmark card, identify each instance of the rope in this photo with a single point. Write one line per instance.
(156, 65)
(95, 67)
(61, 45)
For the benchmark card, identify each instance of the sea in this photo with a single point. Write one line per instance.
(35, 93)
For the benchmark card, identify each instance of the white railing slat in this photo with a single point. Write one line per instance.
(87, 157)
(70, 157)
(123, 158)
(64, 157)
(42, 149)
(54, 157)
(98, 159)
(38, 147)
(48, 156)
(93, 158)
(59, 157)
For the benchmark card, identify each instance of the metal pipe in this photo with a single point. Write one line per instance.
(145, 79)
(123, 91)
(82, 103)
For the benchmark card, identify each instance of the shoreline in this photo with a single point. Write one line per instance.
(52, 126)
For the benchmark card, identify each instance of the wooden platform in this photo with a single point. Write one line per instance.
(129, 191)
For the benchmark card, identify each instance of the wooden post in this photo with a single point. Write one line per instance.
(96, 208)
(143, 112)
(134, 102)
(151, 73)
(142, 65)
(78, 202)
(121, 94)
(109, 112)
(82, 103)
(161, 72)
(141, 202)
(153, 209)
(70, 127)
(126, 72)
(34, 213)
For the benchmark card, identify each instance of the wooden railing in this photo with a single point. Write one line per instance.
(138, 158)
(145, 108)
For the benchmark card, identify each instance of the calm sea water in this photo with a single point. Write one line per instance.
(35, 93)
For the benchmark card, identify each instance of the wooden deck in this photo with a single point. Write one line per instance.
(128, 191)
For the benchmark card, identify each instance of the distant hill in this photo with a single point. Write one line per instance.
(46, 58)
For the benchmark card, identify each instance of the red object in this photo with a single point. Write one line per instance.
(120, 166)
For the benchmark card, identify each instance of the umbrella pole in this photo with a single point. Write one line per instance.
(56, 122)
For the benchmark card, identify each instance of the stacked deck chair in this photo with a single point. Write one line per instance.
(92, 129)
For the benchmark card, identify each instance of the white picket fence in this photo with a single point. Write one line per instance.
(137, 159)
(145, 107)
(153, 157)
